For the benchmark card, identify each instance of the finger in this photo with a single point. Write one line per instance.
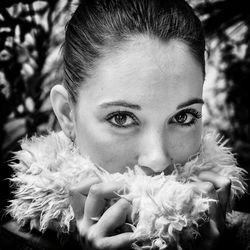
(97, 199)
(224, 194)
(204, 187)
(209, 235)
(83, 187)
(215, 211)
(222, 184)
(78, 195)
(218, 181)
(120, 241)
(113, 218)
(215, 214)
(208, 189)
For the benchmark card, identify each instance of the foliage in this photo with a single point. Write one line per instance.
(30, 37)
(31, 33)
(227, 22)
(227, 28)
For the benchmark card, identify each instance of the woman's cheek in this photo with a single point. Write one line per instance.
(113, 153)
(183, 145)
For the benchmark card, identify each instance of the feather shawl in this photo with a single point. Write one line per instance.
(163, 207)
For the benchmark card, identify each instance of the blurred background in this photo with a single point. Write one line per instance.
(31, 35)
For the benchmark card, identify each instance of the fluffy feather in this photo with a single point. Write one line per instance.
(163, 207)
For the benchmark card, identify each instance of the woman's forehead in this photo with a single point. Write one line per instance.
(144, 51)
(146, 69)
(146, 60)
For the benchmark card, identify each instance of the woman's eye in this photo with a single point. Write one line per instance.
(187, 117)
(122, 119)
(181, 118)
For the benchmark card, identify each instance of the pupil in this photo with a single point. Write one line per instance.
(120, 119)
(181, 118)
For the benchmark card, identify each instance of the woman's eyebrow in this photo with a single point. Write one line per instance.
(190, 102)
(120, 103)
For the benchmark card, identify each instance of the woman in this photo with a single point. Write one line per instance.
(132, 94)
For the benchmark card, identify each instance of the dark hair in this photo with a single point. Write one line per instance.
(98, 26)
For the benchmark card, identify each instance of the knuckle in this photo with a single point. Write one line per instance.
(82, 232)
(208, 186)
(215, 231)
(124, 204)
(95, 190)
(216, 234)
(92, 234)
(95, 242)
(91, 238)
(98, 244)
(81, 229)
(226, 182)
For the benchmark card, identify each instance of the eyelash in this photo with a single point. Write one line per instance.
(196, 116)
(122, 113)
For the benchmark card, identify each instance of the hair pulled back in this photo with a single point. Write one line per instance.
(99, 26)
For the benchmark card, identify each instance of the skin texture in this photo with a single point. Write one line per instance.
(156, 77)
(159, 129)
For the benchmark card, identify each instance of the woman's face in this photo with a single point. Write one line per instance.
(141, 106)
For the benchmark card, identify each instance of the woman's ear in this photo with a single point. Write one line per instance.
(63, 109)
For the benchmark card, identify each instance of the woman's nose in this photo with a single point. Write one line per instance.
(154, 153)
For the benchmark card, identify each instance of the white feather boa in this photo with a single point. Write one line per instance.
(163, 207)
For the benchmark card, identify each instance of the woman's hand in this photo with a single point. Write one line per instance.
(216, 187)
(96, 227)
